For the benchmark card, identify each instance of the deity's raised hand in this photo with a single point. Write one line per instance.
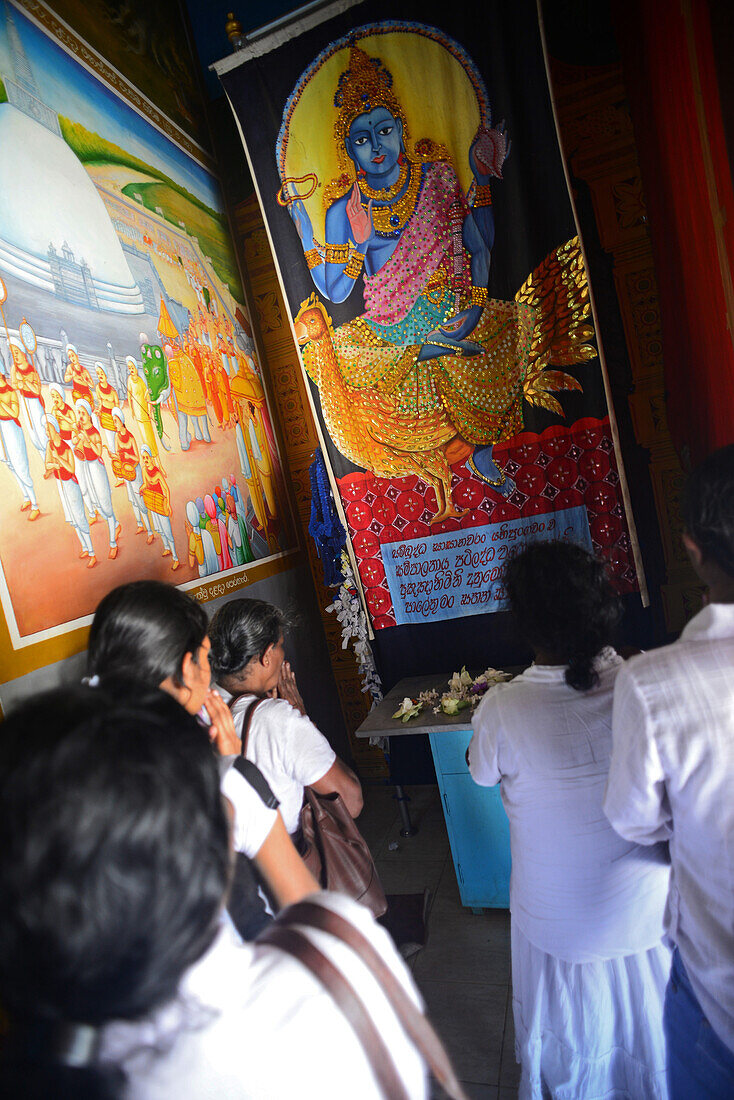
(489, 150)
(360, 220)
(302, 223)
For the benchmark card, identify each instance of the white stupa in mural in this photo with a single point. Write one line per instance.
(55, 232)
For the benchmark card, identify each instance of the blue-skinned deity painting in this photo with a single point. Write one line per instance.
(394, 199)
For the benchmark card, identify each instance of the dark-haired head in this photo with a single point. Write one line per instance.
(154, 633)
(708, 515)
(247, 645)
(114, 860)
(564, 605)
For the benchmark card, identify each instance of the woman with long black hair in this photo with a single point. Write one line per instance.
(588, 965)
(154, 634)
(118, 978)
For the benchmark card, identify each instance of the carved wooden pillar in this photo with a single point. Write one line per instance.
(298, 432)
(599, 142)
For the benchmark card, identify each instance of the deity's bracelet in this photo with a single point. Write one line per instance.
(337, 253)
(313, 258)
(479, 296)
(482, 195)
(354, 267)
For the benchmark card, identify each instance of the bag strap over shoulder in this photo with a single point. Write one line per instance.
(257, 781)
(252, 707)
(414, 1023)
(342, 992)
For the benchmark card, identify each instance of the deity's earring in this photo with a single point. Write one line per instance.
(361, 174)
(401, 159)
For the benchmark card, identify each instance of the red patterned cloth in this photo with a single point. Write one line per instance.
(563, 467)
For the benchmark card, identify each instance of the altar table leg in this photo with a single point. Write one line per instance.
(408, 829)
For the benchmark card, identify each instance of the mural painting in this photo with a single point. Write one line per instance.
(135, 435)
(445, 367)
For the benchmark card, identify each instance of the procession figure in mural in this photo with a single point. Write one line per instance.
(126, 468)
(62, 412)
(237, 532)
(80, 378)
(107, 402)
(188, 395)
(60, 465)
(140, 406)
(155, 372)
(201, 548)
(14, 446)
(157, 499)
(253, 445)
(433, 371)
(24, 377)
(93, 480)
(220, 535)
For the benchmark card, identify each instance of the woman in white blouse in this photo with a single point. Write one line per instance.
(154, 634)
(589, 969)
(247, 657)
(118, 980)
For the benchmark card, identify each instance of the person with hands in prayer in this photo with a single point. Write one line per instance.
(248, 660)
(152, 633)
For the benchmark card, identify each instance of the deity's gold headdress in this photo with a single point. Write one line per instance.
(364, 85)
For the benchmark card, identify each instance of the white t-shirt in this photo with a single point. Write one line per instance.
(251, 1023)
(253, 820)
(577, 890)
(672, 777)
(288, 750)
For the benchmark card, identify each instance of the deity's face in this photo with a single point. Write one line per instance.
(375, 141)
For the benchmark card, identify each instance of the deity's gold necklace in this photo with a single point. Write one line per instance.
(391, 214)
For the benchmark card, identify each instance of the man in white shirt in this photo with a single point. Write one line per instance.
(672, 778)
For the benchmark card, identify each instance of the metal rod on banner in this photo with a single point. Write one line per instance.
(312, 405)
(624, 485)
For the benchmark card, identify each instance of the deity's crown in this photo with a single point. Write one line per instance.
(364, 85)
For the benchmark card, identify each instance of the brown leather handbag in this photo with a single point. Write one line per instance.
(336, 853)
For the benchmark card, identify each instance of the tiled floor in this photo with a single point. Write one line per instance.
(464, 969)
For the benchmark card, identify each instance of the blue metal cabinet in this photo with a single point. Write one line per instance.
(479, 832)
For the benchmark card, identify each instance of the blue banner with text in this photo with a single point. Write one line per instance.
(460, 572)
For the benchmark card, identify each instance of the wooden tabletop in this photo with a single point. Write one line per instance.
(380, 722)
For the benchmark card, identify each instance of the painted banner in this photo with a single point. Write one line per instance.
(462, 573)
(135, 434)
(411, 181)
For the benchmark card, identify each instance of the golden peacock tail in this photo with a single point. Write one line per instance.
(558, 290)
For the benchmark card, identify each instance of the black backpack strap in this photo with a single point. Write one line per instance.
(257, 781)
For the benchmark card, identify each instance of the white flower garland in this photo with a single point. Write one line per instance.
(350, 614)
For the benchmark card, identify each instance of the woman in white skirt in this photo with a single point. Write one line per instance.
(589, 969)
